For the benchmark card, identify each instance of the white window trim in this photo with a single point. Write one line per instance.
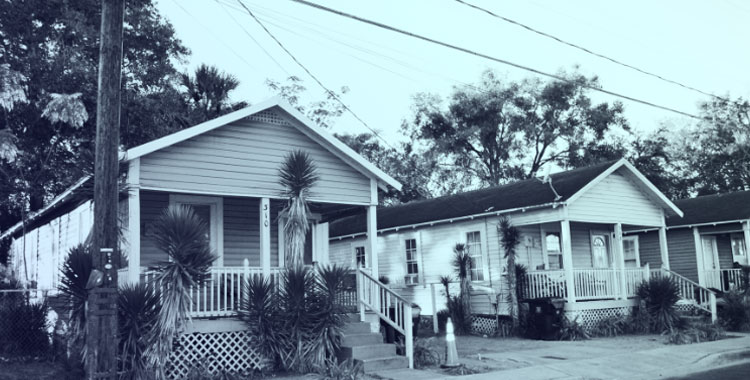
(545, 250)
(482, 248)
(216, 232)
(354, 253)
(637, 249)
(733, 236)
(418, 255)
(608, 240)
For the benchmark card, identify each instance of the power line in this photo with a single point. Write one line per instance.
(330, 93)
(253, 38)
(488, 57)
(514, 22)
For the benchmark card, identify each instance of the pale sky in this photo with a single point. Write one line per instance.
(703, 44)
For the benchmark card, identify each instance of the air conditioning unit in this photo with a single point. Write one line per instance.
(411, 279)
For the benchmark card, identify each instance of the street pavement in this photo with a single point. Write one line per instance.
(583, 362)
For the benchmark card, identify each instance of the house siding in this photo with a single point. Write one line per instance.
(243, 158)
(681, 246)
(616, 199)
(649, 249)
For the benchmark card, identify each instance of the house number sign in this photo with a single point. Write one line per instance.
(266, 215)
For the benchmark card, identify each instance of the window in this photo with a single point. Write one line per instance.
(554, 252)
(211, 211)
(738, 245)
(359, 256)
(474, 249)
(630, 251)
(412, 267)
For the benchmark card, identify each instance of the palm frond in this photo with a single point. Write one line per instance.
(461, 261)
(138, 312)
(298, 174)
(510, 236)
(75, 275)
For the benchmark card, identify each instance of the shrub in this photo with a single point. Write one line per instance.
(459, 316)
(703, 332)
(346, 370)
(138, 310)
(424, 353)
(659, 296)
(300, 325)
(442, 318)
(23, 329)
(572, 330)
(611, 326)
(734, 313)
(75, 275)
(639, 321)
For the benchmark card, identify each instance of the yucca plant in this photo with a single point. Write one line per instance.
(297, 175)
(138, 309)
(181, 234)
(331, 316)
(75, 275)
(659, 296)
(462, 266)
(260, 311)
(446, 282)
(510, 237)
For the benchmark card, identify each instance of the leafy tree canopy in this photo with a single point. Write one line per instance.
(499, 130)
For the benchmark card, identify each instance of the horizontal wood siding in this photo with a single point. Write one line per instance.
(340, 252)
(616, 199)
(153, 205)
(681, 245)
(241, 231)
(243, 158)
(649, 249)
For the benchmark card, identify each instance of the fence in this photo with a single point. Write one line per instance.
(28, 318)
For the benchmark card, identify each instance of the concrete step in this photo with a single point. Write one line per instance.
(379, 364)
(363, 339)
(381, 350)
(356, 328)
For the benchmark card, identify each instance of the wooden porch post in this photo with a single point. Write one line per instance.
(372, 228)
(699, 256)
(567, 256)
(265, 237)
(372, 238)
(134, 221)
(620, 259)
(746, 232)
(663, 247)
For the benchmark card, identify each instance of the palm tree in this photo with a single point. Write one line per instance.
(510, 238)
(181, 234)
(208, 90)
(462, 265)
(297, 175)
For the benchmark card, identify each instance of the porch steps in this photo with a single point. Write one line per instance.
(368, 348)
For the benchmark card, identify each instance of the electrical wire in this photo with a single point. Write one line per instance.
(586, 50)
(486, 56)
(329, 92)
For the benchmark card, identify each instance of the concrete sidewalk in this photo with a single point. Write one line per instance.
(581, 362)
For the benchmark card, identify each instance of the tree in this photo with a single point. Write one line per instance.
(208, 92)
(510, 237)
(322, 112)
(54, 46)
(462, 266)
(499, 130)
(297, 175)
(417, 173)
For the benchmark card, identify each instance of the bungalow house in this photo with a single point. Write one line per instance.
(708, 244)
(572, 239)
(226, 169)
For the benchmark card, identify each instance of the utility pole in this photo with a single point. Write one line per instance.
(101, 340)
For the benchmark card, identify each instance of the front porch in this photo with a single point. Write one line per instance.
(589, 284)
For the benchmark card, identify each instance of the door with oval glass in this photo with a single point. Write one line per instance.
(599, 251)
(710, 261)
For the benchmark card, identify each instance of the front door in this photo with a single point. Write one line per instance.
(599, 252)
(710, 262)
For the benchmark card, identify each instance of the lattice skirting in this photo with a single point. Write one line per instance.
(590, 318)
(487, 325)
(229, 351)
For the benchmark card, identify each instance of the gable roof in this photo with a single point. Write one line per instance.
(304, 124)
(713, 209)
(525, 194)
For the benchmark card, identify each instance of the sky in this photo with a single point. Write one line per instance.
(702, 44)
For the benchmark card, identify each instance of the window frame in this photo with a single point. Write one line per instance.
(741, 239)
(483, 268)
(216, 229)
(354, 255)
(414, 260)
(636, 246)
(553, 253)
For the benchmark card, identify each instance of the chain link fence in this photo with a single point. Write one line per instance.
(28, 319)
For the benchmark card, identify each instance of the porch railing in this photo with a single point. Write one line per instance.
(633, 278)
(724, 279)
(220, 295)
(594, 283)
(544, 283)
(691, 291)
(392, 308)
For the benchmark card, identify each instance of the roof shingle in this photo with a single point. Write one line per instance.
(713, 208)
